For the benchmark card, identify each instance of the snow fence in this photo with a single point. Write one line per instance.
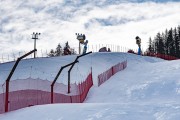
(103, 77)
(29, 92)
(162, 56)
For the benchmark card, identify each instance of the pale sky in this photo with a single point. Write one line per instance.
(115, 22)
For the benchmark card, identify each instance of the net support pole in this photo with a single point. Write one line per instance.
(69, 71)
(55, 79)
(9, 77)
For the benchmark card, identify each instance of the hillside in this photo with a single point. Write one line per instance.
(149, 89)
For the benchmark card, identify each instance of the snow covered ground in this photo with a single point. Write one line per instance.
(47, 68)
(148, 89)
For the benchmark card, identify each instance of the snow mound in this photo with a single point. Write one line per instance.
(47, 68)
(149, 88)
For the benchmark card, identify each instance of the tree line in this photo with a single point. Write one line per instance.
(59, 51)
(167, 43)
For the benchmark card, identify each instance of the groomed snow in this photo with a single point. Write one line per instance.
(94, 111)
(148, 89)
(47, 68)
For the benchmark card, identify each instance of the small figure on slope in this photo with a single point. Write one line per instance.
(138, 42)
(85, 47)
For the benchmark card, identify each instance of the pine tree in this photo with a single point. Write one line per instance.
(67, 49)
(171, 43)
(52, 53)
(153, 47)
(161, 44)
(165, 37)
(58, 51)
(150, 48)
(178, 42)
(156, 46)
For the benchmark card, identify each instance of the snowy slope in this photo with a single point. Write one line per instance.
(148, 89)
(93, 111)
(144, 80)
(47, 68)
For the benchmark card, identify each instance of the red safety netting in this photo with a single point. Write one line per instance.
(162, 56)
(79, 93)
(110, 72)
(119, 67)
(2, 96)
(30, 92)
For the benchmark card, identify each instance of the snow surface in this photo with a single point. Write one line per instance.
(148, 89)
(47, 68)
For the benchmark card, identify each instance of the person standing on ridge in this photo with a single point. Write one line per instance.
(138, 42)
(85, 47)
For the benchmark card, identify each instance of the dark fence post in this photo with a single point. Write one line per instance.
(9, 77)
(112, 70)
(69, 71)
(55, 79)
